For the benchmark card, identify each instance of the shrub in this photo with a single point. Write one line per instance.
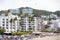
(45, 30)
(21, 33)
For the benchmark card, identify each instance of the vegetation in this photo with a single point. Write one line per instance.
(41, 12)
(25, 15)
(36, 12)
(19, 14)
(57, 12)
(13, 33)
(2, 30)
(31, 18)
(11, 20)
(21, 33)
(15, 18)
(45, 30)
(46, 26)
(21, 22)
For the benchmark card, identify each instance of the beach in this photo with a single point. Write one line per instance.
(57, 37)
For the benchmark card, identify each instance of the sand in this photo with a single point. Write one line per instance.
(47, 38)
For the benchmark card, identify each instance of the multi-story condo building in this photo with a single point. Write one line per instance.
(5, 23)
(16, 23)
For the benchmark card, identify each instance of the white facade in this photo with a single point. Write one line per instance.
(5, 22)
(55, 24)
(14, 26)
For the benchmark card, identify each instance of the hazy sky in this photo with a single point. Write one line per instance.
(49, 5)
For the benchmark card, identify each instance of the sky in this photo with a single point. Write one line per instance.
(49, 5)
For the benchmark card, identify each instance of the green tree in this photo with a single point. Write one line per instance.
(19, 14)
(46, 26)
(15, 18)
(25, 15)
(11, 21)
(13, 33)
(2, 30)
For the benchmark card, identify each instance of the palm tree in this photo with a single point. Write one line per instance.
(11, 21)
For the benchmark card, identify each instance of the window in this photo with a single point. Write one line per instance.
(22, 19)
(3, 22)
(6, 27)
(30, 28)
(6, 24)
(3, 25)
(22, 26)
(29, 22)
(13, 27)
(7, 19)
(22, 29)
(3, 19)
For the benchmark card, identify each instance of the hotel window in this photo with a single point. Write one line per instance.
(3, 25)
(3, 22)
(6, 24)
(3, 19)
(30, 28)
(7, 19)
(6, 27)
(13, 27)
(29, 22)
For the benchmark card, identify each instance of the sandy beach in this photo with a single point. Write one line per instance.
(57, 37)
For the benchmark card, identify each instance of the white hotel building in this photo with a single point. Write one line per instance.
(14, 26)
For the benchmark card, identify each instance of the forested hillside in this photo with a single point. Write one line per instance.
(36, 12)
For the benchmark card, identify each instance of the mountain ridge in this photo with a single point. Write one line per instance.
(37, 12)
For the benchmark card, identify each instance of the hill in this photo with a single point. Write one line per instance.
(36, 12)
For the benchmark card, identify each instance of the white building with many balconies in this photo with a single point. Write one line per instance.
(19, 24)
